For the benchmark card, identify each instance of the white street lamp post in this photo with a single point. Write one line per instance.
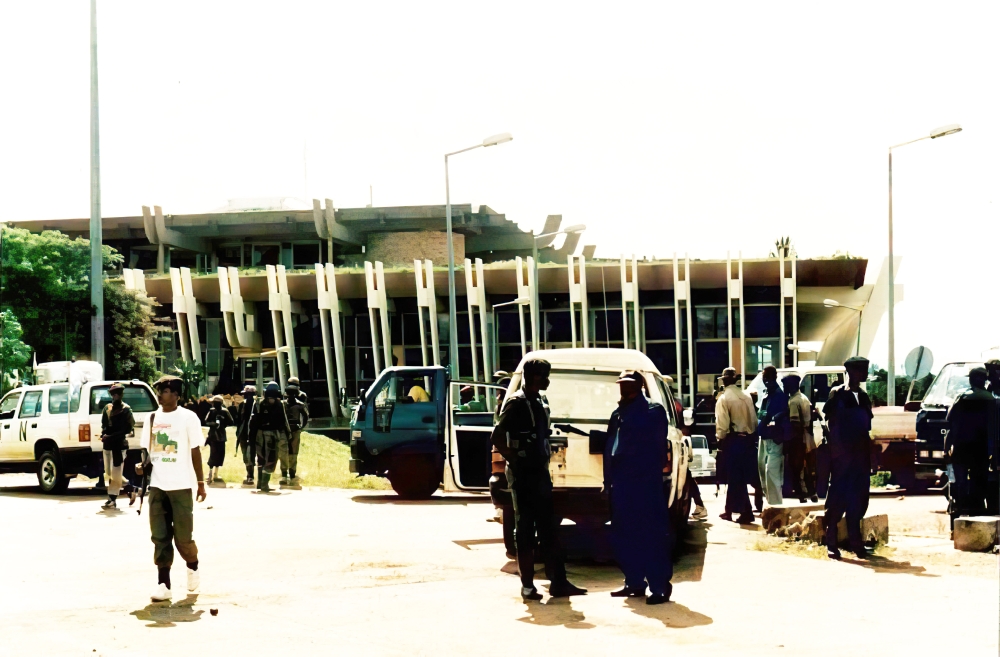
(943, 131)
(452, 316)
(575, 228)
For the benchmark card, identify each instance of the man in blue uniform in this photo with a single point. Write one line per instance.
(849, 416)
(634, 458)
(968, 444)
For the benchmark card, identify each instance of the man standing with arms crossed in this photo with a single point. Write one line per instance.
(172, 441)
(735, 422)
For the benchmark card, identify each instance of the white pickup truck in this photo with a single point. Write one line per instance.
(56, 433)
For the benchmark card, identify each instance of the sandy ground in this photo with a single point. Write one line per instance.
(324, 571)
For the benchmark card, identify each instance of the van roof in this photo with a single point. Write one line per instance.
(45, 386)
(597, 358)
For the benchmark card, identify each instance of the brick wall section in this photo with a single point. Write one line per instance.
(396, 249)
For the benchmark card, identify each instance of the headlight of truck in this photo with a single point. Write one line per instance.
(938, 454)
(355, 435)
(924, 454)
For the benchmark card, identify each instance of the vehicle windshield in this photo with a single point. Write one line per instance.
(138, 398)
(699, 442)
(951, 381)
(582, 396)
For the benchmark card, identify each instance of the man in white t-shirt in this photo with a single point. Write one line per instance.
(172, 441)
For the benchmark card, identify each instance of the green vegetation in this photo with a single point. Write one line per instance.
(129, 351)
(322, 462)
(14, 354)
(191, 375)
(878, 382)
(880, 479)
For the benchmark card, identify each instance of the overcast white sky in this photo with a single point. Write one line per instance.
(688, 127)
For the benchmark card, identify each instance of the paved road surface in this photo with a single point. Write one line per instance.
(322, 572)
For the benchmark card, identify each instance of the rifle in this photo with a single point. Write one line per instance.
(147, 466)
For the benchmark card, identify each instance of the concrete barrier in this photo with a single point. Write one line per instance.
(812, 527)
(773, 518)
(976, 534)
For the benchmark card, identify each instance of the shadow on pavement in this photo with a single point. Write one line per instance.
(433, 501)
(670, 614)
(883, 565)
(555, 611)
(163, 614)
(71, 494)
(478, 541)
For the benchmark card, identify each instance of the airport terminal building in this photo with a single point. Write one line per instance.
(265, 290)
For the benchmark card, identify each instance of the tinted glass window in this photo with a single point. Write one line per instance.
(32, 404)
(9, 403)
(138, 398)
(58, 400)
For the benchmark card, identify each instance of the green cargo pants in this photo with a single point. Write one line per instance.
(171, 521)
(269, 444)
(288, 454)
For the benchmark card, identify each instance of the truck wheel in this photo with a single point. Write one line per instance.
(507, 514)
(415, 477)
(51, 478)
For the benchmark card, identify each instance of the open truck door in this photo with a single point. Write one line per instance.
(468, 464)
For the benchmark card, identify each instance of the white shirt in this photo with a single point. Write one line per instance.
(734, 409)
(176, 434)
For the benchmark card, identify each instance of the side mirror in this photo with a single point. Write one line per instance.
(912, 406)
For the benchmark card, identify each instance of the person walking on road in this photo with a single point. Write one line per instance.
(217, 420)
(117, 424)
(298, 417)
(249, 447)
(522, 438)
(968, 444)
(849, 417)
(269, 427)
(800, 417)
(172, 442)
(772, 421)
(735, 424)
(634, 458)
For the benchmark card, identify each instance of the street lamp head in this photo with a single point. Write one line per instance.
(831, 303)
(575, 228)
(945, 130)
(503, 137)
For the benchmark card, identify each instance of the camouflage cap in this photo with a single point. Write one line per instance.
(172, 383)
(116, 387)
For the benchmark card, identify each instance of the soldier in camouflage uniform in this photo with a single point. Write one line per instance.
(288, 453)
(249, 447)
(268, 427)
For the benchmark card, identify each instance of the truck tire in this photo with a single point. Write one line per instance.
(51, 478)
(415, 477)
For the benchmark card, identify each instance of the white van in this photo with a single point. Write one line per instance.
(54, 429)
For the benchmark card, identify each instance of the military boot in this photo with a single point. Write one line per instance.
(249, 479)
(260, 477)
(264, 478)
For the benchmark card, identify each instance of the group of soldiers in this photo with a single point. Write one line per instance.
(973, 444)
(780, 426)
(268, 432)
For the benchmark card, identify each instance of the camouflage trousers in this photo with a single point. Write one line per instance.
(249, 451)
(288, 454)
(269, 445)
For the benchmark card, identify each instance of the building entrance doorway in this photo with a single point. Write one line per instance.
(258, 370)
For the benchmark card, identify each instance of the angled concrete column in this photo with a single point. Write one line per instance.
(691, 331)
(424, 275)
(743, 330)
(682, 295)
(630, 294)
(576, 269)
(186, 311)
(526, 290)
(735, 289)
(135, 279)
(375, 282)
(226, 306)
(280, 305)
(244, 322)
(329, 315)
(475, 296)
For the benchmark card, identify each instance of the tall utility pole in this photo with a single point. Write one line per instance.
(96, 230)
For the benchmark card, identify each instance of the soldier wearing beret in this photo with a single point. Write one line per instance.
(968, 444)
(849, 416)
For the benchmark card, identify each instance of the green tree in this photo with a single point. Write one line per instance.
(45, 280)
(191, 375)
(129, 352)
(14, 354)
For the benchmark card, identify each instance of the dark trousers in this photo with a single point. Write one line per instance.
(800, 480)
(267, 449)
(740, 450)
(822, 469)
(249, 450)
(640, 535)
(534, 514)
(849, 485)
(970, 488)
(993, 495)
(171, 521)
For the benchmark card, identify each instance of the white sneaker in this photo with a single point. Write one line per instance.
(700, 513)
(194, 580)
(162, 593)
